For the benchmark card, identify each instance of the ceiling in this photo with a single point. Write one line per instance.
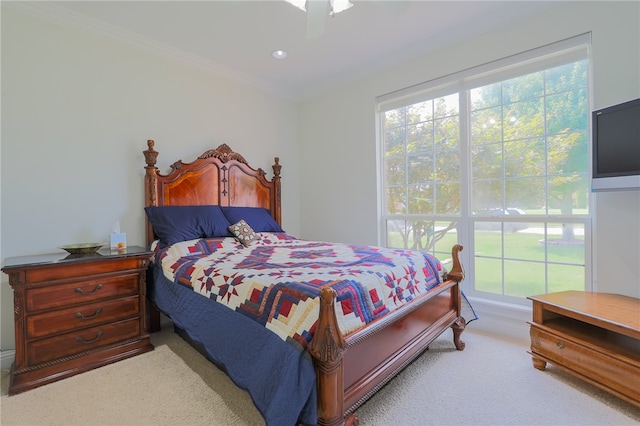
(237, 37)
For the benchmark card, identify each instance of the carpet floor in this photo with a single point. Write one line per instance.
(491, 382)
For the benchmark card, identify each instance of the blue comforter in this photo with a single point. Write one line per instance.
(279, 378)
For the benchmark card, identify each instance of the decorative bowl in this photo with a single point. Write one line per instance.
(82, 248)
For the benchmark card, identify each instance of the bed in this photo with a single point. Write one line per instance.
(319, 374)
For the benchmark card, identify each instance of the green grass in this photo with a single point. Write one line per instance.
(525, 272)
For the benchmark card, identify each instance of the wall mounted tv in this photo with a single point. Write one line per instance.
(616, 147)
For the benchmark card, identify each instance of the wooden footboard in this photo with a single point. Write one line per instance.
(350, 370)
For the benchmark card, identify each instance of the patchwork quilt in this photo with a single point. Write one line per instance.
(276, 280)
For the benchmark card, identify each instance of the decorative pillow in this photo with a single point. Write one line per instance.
(243, 232)
(257, 217)
(173, 224)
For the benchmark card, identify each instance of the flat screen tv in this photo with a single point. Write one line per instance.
(616, 147)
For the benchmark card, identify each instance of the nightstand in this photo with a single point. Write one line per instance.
(75, 313)
(594, 336)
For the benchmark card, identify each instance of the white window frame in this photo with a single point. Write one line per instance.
(545, 57)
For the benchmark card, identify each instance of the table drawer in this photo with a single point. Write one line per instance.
(76, 342)
(83, 316)
(88, 290)
(606, 368)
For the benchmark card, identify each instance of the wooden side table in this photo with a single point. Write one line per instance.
(76, 313)
(594, 336)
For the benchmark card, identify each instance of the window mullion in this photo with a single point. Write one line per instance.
(522, 166)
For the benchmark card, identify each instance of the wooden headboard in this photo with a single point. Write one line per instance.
(217, 177)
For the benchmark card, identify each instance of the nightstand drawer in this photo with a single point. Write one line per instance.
(83, 316)
(76, 342)
(84, 291)
(604, 367)
(85, 266)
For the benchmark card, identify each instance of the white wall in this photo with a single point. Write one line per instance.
(338, 131)
(77, 111)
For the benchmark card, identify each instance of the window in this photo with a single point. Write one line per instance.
(495, 158)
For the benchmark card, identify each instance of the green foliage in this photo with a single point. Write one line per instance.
(528, 148)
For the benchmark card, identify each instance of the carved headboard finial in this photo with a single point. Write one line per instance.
(224, 153)
(277, 167)
(150, 155)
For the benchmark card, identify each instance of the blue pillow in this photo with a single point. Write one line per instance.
(173, 224)
(259, 219)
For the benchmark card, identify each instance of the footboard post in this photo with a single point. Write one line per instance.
(326, 348)
(457, 274)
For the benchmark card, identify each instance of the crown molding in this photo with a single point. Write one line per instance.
(54, 13)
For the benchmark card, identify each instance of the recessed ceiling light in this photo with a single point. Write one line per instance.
(279, 54)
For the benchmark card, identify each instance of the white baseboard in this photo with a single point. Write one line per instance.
(6, 359)
(503, 319)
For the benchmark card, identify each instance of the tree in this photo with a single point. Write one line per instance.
(422, 168)
(528, 146)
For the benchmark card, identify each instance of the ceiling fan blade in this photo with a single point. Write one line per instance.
(317, 12)
(338, 6)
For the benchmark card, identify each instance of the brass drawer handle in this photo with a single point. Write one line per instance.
(79, 290)
(81, 339)
(560, 345)
(81, 315)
